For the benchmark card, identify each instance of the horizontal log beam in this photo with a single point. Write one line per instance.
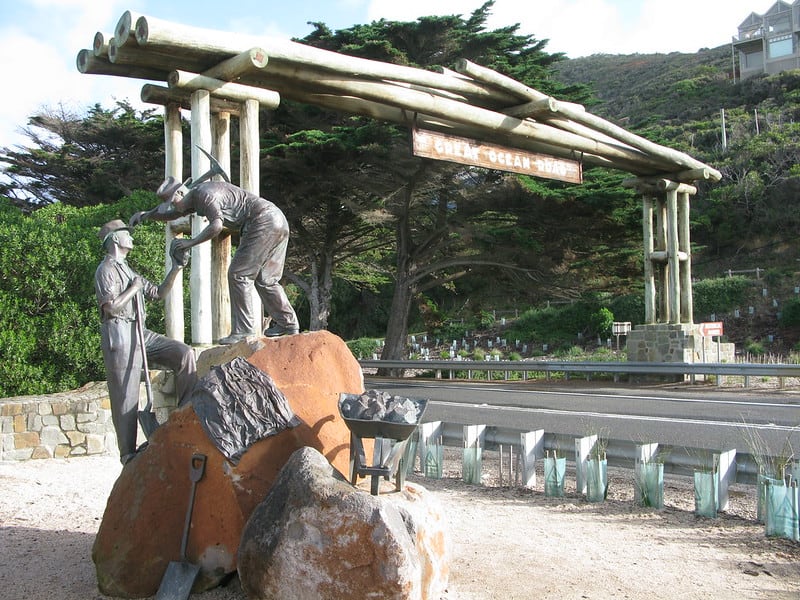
(471, 115)
(309, 77)
(584, 118)
(100, 43)
(662, 256)
(534, 108)
(89, 64)
(221, 89)
(133, 55)
(408, 118)
(659, 185)
(157, 33)
(124, 31)
(163, 96)
(235, 67)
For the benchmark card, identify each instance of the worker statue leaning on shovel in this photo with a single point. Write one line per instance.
(259, 257)
(120, 296)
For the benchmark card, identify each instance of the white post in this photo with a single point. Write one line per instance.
(583, 448)
(532, 444)
(173, 165)
(473, 436)
(430, 462)
(726, 475)
(645, 453)
(201, 254)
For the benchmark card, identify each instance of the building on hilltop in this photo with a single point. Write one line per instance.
(769, 43)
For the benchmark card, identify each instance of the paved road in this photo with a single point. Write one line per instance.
(689, 416)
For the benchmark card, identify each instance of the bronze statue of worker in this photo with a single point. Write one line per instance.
(259, 258)
(120, 295)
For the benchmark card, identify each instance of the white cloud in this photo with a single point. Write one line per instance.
(583, 27)
(42, 67)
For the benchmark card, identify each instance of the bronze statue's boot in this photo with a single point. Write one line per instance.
(232, 339)
(276, 330)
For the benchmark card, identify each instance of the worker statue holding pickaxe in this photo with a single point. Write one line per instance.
(259, 257)
(127, 345)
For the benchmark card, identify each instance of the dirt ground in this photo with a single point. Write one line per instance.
(507, 543)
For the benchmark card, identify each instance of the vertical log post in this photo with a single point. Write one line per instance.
(663, 274)
(201, 254)
(173, 165)
(221, 245)
(673, 262)
(687, 304)
(249, 174)
(649, 269)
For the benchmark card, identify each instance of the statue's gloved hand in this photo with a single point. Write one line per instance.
(136, 219)
(179, 252)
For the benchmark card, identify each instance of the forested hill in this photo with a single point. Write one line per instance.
(751, 218)
(635, 89)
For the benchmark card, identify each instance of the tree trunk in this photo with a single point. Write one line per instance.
(319, 293)
(318, 288)
(404, 292)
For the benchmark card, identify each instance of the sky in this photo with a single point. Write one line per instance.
(40, 39)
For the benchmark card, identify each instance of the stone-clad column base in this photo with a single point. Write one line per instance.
(675, 343)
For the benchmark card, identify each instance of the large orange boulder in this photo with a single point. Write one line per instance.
(143, 522)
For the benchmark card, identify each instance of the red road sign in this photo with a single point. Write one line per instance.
(711, 329)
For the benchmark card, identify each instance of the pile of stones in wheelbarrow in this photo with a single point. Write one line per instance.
(374, 405)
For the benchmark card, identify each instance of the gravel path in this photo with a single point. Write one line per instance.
(508, 543)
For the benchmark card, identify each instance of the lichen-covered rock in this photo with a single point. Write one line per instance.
(317, 537)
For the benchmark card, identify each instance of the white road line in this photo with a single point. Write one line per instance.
(611, 396)
(597, 415)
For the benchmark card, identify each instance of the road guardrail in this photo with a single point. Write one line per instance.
(781, 371)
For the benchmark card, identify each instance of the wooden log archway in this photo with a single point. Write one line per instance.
(218, 74)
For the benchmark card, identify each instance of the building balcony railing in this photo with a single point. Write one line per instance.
(749, 35)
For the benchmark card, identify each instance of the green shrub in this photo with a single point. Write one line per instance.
(49, 323)
(719, 295)
(485, 319)
(790, 313)
(364, 348)
(572, 353)
(754, 347)
(601, 323)
(561, 325)
(628, 308)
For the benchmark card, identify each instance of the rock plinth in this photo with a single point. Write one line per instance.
(143, 522)
(317, 537)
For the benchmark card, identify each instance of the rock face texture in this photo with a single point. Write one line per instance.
(317, 537)
(143, 522)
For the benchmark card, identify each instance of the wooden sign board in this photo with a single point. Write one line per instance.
(440, 146)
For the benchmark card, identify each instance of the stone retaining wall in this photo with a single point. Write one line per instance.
(75, 423)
